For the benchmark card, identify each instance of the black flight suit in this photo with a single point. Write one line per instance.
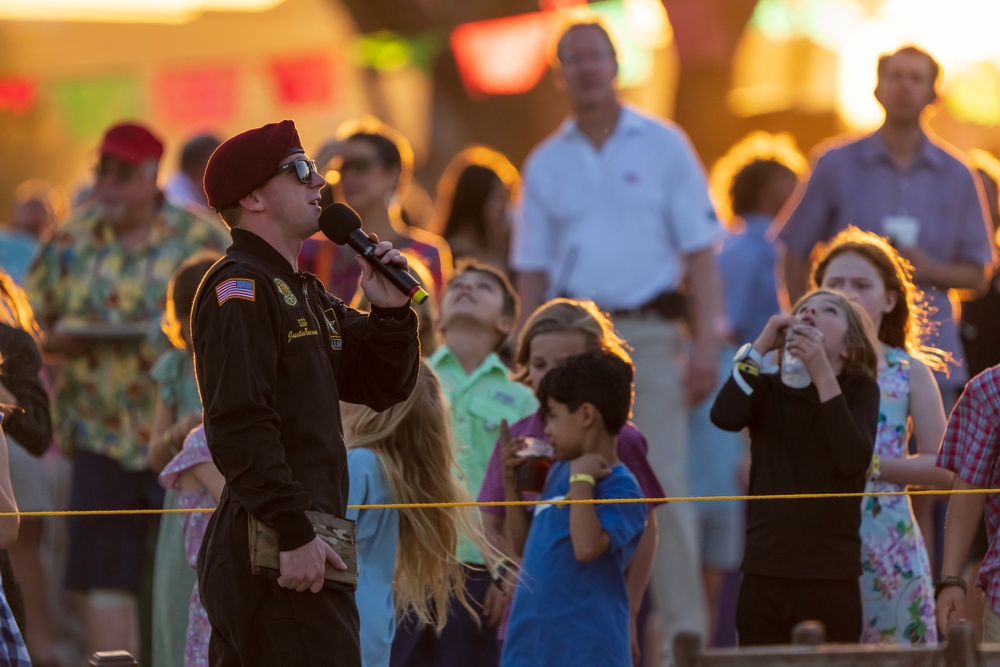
(273, 354)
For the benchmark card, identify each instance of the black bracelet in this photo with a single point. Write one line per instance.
(949, 580)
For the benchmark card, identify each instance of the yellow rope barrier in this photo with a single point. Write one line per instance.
(561, 502)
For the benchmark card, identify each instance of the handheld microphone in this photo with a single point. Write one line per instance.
(342, 225)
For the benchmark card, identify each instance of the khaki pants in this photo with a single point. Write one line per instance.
(661, 415)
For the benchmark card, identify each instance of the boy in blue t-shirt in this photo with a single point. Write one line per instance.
(571, 607)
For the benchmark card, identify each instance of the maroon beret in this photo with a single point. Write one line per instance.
(132, 143)
(245, 162)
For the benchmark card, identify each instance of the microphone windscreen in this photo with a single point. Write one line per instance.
(337, 221)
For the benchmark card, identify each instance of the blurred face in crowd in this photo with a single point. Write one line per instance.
(125, 192)
(905, 86)
(365, 182)
(777, 191)
(588, 68)
(495, 208)
(33, 217)
(552, 349)
(858, 278)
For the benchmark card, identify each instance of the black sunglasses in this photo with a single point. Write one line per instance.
(304, 169)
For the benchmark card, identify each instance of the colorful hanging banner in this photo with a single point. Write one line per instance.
(556, 5)
(509, 56)
(388, 51)
(505, 56)
(89, 106)
(384, 51)
(17, 94)
(194, 97)
(306, 79)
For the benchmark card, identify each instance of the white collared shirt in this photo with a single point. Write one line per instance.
(614, 224)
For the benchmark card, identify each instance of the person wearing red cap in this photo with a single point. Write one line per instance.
(98, 288)
(273, 354)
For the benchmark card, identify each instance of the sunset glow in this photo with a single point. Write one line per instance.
(124, 11)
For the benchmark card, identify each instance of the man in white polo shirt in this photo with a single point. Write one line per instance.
(615, 208)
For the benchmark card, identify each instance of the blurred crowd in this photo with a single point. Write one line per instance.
(613, 236)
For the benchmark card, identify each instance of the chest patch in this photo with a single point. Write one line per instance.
(336, 341)
(286, 292)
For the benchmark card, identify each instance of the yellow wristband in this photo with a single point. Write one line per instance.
(581, 477)
(876, 466)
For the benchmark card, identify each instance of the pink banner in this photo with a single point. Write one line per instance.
(503, 56)
(17, 94)
(195, 96)
(306, 79)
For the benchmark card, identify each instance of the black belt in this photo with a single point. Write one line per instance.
(668, 306)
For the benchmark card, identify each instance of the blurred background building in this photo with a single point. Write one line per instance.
(451, 72)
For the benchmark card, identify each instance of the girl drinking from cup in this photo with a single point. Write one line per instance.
(802, 555)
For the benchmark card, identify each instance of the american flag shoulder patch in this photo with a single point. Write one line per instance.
(235, 288)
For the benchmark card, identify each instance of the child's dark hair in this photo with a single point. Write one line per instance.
(601, 378)
(180, 295)
(744, 193)
(511, 302)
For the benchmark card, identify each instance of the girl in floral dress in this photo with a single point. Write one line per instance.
(197, 483)
(897, 589)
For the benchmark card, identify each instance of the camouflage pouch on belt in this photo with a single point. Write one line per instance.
(338, 533)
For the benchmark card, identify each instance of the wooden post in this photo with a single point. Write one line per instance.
(960, 651)
(687, 648)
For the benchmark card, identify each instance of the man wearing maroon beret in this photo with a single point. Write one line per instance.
(274, 352)
(98, 288)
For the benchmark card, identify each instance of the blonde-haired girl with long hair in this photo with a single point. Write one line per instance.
(405, 455)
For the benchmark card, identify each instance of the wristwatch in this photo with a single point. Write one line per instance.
(499, 572)
(747, 352)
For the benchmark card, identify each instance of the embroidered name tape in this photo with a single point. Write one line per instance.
(235, 288)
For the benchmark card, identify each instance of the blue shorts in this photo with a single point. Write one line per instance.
(109, 551)
(719, 525)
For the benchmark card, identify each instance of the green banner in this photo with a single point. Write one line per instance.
(88, 106)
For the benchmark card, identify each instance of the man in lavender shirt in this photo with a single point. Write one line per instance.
(906, 184)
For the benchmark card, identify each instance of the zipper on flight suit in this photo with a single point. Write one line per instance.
(305, 293)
